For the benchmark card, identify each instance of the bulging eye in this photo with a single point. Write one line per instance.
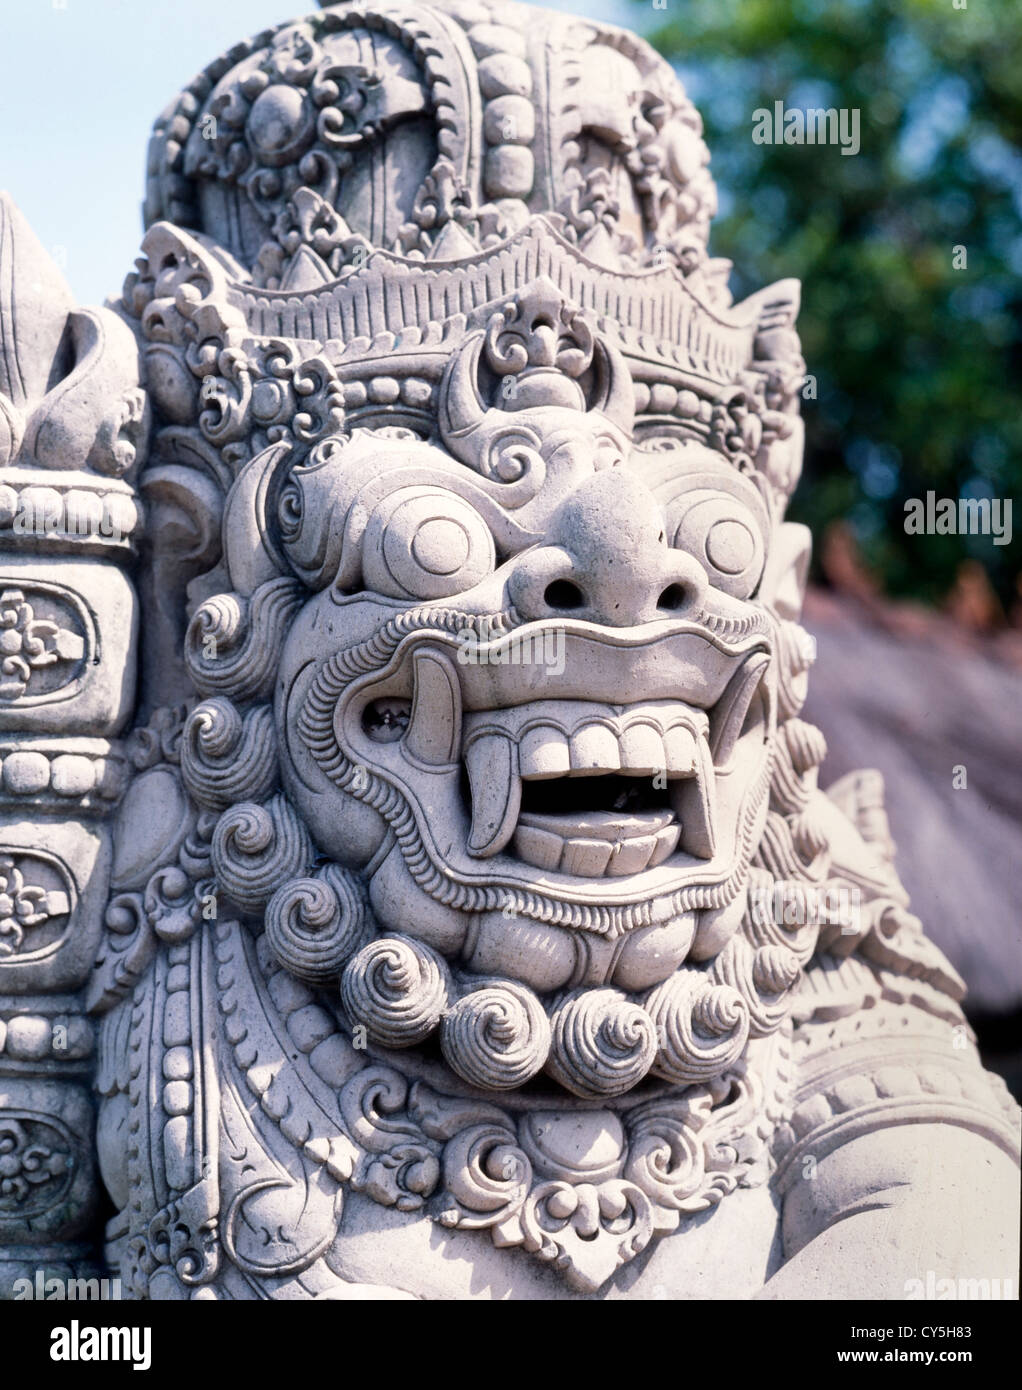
(723, 535)
(425, 543)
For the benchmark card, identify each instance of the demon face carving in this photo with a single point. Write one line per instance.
(569, 686)
(526, 716)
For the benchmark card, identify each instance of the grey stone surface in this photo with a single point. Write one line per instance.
(454, 907)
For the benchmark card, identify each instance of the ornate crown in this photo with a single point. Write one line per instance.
(371, 182)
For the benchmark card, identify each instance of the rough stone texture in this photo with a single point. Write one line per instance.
(471, 922)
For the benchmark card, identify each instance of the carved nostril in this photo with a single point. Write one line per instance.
(675, 596)
(562, 594)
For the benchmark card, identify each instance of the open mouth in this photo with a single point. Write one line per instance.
(593, 827)
(604, 791)
(581, 788)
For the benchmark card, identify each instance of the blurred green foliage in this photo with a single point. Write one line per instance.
(917, 363)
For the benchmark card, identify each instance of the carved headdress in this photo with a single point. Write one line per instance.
(376, 180)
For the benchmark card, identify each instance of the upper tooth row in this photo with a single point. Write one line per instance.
(638, 750)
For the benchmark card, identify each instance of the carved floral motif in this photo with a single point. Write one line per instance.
(29, 644)
(24, 904)
(36, 1165)
(291, 121)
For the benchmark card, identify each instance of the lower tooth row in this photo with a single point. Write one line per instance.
(594, 858)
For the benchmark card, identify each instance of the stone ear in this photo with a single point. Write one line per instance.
(786, 572)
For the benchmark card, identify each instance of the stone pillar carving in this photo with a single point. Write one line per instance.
(73, 430)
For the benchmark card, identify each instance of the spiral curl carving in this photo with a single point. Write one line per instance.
(233, 643)
(665, 1152)
(195, 855)
(497, 1037)
(125, 914)
(783, 913)
(602, 1043)
(763, 977)
(795, 655)
(227, 758)
(314, 925)
(255, 848)
(810, 834)
(775, 969)
(702, 1027)
(779, 855)
(398, 989)
(486, 1175)
(789, 790)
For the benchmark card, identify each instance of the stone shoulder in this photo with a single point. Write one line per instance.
(872, 1048)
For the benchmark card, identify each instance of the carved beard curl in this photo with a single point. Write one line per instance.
(495, 1033)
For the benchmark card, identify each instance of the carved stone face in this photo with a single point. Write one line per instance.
(534, 697)
(500, 476)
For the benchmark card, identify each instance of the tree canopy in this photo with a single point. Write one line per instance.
(914, 345)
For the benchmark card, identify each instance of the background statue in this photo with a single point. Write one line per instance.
(472, 922)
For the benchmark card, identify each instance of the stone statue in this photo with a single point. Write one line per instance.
(453, 910)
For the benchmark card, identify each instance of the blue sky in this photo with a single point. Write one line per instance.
(81, 82)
